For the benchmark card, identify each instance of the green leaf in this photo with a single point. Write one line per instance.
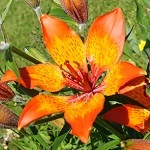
(24, 55)
(6, 11)
(35, 54)
(147, 3)
(110, 127)
(38, 137)
(64, 132)
(11, 64)
(142, 19)
(109, 145)
(59, 12)
(147, 136)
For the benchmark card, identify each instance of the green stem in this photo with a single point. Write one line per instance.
(49, 119)
(5, 37)
(104, 124)
(24, 55)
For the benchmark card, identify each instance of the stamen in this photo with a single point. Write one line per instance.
(81, 97)
(73, 72)
(78, 80)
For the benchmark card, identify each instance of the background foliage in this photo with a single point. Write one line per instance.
(23, 31)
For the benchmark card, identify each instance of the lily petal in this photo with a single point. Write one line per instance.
(105, 41)
(40, 106)
(133, 116)
(81, 115)
(63, 43)
(76, 9)
(46, 76)
(118, 76)
(136, 89)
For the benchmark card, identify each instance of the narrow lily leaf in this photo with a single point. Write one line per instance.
(6, 11)
(35, 54)
(64, 132)
(147, 136)
(109, 145)
(11, 64)
(39, 138)
(142, 19)
(147, 3)
(109, 127)
(24, 55)
(58, 12)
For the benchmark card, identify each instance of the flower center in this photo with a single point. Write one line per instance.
(76, 79)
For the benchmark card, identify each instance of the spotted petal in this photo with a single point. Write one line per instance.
(81, 115)
(40, 106)
(133, 116)
(62, 42)
(118, 76)
(105, 41)
(46, 76)
(136, 89)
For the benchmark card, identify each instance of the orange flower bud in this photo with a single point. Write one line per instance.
(5, 92)
(136, 144)
(33, 3)
(76, 9)
(7, 118)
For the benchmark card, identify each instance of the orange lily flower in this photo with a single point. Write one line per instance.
(78, 66)
(136, 117)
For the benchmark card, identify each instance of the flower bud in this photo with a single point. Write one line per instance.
(33, 3)
(7, 118)
(76, 9)
(136, 144)
(5, 92)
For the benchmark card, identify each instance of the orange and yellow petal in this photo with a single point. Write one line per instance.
(62, 42)
(132, 116)
(45, 76)
(136, 89)
(40, 106)
(119, 75)
(81, 115)
(105, 41)
(76, 9)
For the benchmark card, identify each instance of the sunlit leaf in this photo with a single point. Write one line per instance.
(6, 11)
(109, 145)
(146, 3)
(11, 64)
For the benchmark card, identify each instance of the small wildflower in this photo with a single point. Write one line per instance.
(142, 45)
